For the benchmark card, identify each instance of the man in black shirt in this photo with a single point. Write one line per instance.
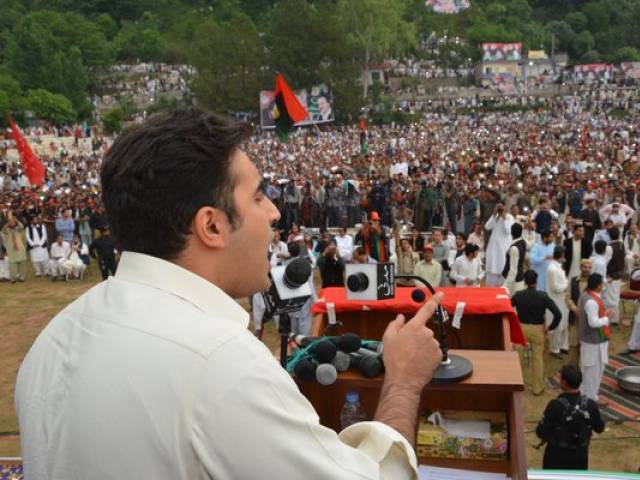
(567, 425)
(105, 248)
(331, 266)
(531, 305)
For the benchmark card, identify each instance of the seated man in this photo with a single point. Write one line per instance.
(60, 251)
(74, 266)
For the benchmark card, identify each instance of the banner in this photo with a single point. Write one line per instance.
(448, 6)
(592, 72)
(500, 82)
(502, 52)
(318, 101)
(631, 70)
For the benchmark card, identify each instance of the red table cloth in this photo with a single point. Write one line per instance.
(479, 301)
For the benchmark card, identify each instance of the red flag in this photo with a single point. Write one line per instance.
(33, 168)
(294, 108)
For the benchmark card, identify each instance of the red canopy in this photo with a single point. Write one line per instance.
(479, 301)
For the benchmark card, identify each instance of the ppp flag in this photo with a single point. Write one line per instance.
(288, 109)
(32, 166)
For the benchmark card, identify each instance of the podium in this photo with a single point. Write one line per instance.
(496, 384)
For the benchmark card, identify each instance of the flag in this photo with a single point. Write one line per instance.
(363, 137)
(288, 110)
(30, 163)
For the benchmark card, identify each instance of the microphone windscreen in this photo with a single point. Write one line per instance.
(326, 374)
(418, 295)
(296, 273)
(324, 351)
(342, 362)
(349, 342)
(370, 366)
(305, 369)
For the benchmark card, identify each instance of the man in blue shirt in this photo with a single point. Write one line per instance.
(541, 256)
(66, 226)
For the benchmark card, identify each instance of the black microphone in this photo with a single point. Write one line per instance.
(305, 369)
(296, 273)
(323, 351)
(368, 364)
(374, 346)
(349, 342)
(358, 282)
(418, 295)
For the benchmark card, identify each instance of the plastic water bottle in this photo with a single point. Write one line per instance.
(351, 410)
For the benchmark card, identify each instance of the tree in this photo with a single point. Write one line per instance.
(112, 121)
(583, 42)
(376, 28)
(626, 54)
(229, 59)
(139, 42)
(50, 106)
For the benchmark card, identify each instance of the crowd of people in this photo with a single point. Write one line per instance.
(144, 83)
(464, 200)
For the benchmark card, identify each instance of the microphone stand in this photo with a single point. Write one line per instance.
(284, 328)
(453, 368)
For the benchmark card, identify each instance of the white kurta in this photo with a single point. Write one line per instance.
(593, 356)
(465, 268)
(557, 284)
(499, 242)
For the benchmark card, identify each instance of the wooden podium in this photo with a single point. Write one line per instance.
(496, 384)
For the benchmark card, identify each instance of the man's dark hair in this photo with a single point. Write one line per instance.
(571, 375)
(156, 176)
(530, 277)
(595, 280)
(558, 252)
(600, 246)
(614, 234)
(470, 248)
(294, 249)
(516, 230)
(545, 234)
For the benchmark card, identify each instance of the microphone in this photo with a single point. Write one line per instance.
(358, 282)
(323, 351)
(374, 346)
(296, 273)
(305, 369)
(418, 295)
(367, 363)
(326, 374)
(342, 362)
(349, 342)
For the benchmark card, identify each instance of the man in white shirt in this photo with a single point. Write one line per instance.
(557, 284)
(500, 225)
(278, 251)
(60, 251)
(632, 247)
(467, 269)
(345, 245)
(153, 372)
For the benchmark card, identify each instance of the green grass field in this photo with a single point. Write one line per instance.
(26, 308)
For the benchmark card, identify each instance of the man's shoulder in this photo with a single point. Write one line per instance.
(128, 310)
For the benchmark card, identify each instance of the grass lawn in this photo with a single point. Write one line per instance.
(26, 308)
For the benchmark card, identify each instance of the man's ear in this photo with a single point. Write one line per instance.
(211, 227)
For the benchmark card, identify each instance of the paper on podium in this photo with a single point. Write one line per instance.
(438, 473)
(462, 428)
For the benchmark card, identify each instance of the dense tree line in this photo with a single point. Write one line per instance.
(53, 51)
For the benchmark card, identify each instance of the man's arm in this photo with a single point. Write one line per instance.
(513, 265)
(411, 355)
(555, 311)
(594, 320)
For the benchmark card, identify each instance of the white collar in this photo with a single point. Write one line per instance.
(163, 275)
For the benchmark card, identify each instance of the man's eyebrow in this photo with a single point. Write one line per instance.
(262, 186)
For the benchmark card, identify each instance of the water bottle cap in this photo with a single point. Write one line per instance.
(353, 397)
